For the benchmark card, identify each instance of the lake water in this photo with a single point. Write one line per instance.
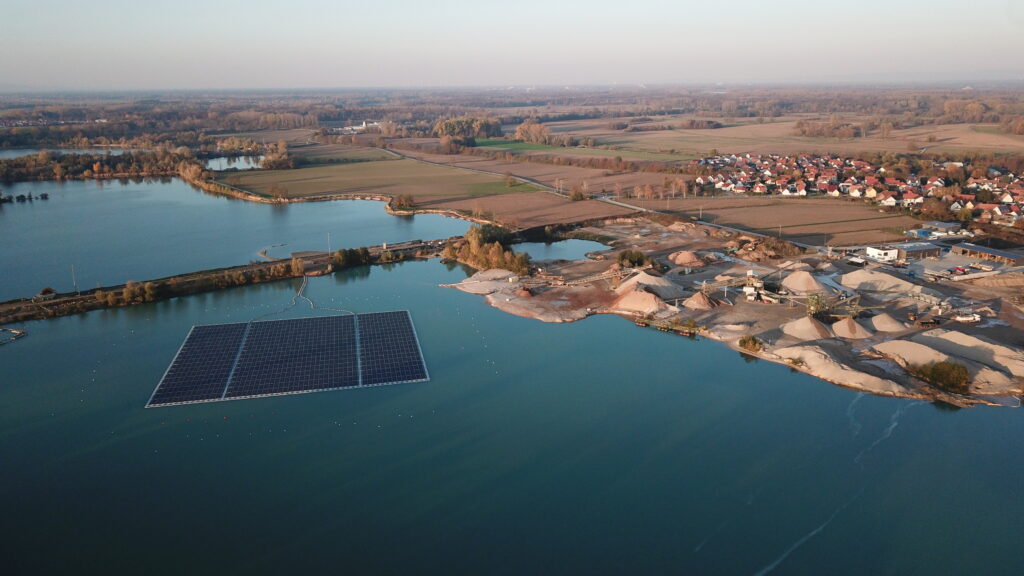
(6, 153)
(564, 250)
(593, 447)
(113, 232)
(237, 163)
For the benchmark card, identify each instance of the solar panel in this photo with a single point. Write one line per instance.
(389, 351)
(234, 361)
(200, 369)
(289, 356)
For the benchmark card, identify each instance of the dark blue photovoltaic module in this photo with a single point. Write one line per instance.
(389, 351)
(200, 371)
(272, 358)
(288, 356)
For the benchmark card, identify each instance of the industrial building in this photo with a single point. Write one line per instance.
(917, 250)
(904, 252)
(882, 253)
(983, 253)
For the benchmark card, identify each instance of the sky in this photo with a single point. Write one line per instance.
(297, 44)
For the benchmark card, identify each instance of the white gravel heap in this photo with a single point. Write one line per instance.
(807, 328)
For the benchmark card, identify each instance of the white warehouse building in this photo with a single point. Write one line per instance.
(883, 254)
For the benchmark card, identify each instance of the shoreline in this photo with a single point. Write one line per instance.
(822, 359)
(219, 188)
(811, 357)
(133, 293)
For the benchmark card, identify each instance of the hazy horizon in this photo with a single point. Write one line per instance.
(114, 45)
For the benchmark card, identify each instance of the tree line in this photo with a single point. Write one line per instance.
(482, 248)
(56, 166)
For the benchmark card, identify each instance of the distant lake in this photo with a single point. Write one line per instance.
(113, 232)
(564, 250)
(236, 162)
(19, 152)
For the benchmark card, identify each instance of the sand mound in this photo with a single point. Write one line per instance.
(885, 323)
(663, 287)
(685, 258)
(849, 328)
(699, 301)
(524, 293)
(888, 286)
(874, 281)
(906, 352)
(974, 348)
(640, 301)
(984, 378)
(801, 282)
(822, 364)
(806, 328)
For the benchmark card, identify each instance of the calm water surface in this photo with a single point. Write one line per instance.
(587, 448)
(236, 163)
(564, 250)
(112, 232)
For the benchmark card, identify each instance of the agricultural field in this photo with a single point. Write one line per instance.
(338, 153)
(292, 137)
(527, 148)
(425, 183)
(777, 136)
(432, 188)
(817, 221)
(545, 173)
(530, 210)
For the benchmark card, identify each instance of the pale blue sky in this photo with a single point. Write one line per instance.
(120, 44)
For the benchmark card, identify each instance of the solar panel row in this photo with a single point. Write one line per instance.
(233, 361)
(285, 356)
(388, 349)
(201, 368)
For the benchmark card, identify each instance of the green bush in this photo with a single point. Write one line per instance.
(946, 375)
(632, 258)
(750, 343)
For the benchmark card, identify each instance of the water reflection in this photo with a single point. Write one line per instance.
(352, 274)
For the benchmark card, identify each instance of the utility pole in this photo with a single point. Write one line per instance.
(328, 243)
(74, 282)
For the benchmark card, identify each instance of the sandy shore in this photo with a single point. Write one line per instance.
(865, 360)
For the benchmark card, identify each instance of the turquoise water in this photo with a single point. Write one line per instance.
(112, 232)
(564, 250)
(238, 163)
(594, 447)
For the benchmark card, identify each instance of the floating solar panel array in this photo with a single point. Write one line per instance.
(255, 359)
